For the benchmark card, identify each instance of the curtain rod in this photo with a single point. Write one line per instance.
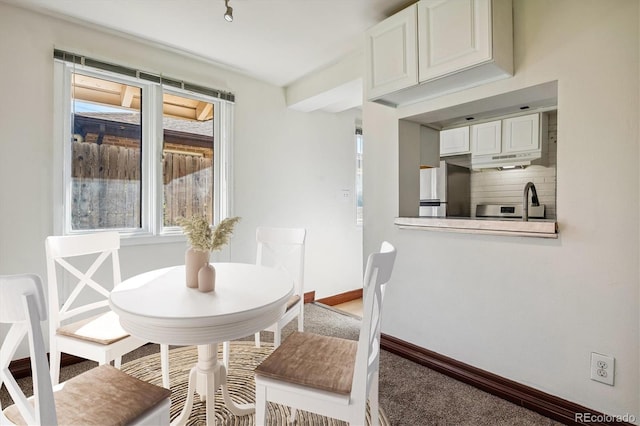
(142, 75)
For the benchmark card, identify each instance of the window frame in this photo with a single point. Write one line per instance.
(151, 201)
(359, 150)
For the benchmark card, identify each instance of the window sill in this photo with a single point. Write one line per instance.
(539, 228)
(145, 239)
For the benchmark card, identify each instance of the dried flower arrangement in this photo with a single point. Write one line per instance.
(200, 235)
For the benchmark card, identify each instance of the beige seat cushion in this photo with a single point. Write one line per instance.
(313, 360)
(102, 396)
(292, 301)
(104, 329)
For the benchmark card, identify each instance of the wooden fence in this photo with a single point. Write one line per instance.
(106, 186)
(188, 186)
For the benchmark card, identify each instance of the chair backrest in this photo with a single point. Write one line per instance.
(22, 305)
(59, 250)
(376, 276)
(283, 248)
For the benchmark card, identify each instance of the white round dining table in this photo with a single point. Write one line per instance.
(157, 306)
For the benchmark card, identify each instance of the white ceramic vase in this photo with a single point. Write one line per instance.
(193, 261)
(207, 278)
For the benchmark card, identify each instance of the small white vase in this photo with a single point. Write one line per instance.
(193, 261)
(207, 278)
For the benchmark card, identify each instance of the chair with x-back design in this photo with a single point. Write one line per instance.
(101, 396)
(329, 375)
(282, 248)
(84, 325)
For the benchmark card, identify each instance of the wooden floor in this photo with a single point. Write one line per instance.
(353, 307)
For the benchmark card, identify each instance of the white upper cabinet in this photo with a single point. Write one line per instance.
(521, 134)
(454, 141)
(486, 138)
(452, 35)
(391, 53)
(456, 44)
(514, 141)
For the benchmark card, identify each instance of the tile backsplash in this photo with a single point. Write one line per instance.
(506, 186)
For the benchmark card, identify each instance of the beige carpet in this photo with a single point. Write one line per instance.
(244, 358)
(410, 394)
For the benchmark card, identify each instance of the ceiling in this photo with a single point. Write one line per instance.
(277, 41)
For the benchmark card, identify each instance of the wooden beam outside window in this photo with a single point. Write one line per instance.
(126, 95)
(203, 110)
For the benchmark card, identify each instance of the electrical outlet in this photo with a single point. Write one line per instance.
(602, 368)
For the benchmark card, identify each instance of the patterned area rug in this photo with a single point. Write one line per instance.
(244, 358)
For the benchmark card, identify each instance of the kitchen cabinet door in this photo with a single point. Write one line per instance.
(391, 54)
(486, 138)
(454, 141)
(452, 35)
(521, 134)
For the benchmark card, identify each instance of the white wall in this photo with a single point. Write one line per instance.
(533, 310)
(294, 177)
(289, 167)
(336, 87)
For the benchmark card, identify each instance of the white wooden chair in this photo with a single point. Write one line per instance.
(101, 396)
(100, 337)
(281, 248)
(328, 375)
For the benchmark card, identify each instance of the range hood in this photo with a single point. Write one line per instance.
(505, 160)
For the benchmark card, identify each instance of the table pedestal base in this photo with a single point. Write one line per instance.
(205, 378)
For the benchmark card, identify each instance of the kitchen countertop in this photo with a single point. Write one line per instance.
(540, 228)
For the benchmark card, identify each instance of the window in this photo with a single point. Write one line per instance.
(134, 154)
(105, 154)
(359, 218)
(187, 158)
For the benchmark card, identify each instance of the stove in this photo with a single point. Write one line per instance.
(508, 211)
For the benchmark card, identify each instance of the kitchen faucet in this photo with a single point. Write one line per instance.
(525, 200)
